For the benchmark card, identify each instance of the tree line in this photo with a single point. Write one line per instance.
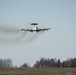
(42, 63)
(54, 63)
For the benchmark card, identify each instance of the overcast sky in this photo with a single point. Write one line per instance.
(22, 47)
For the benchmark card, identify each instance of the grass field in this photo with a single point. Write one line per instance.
(38, 71)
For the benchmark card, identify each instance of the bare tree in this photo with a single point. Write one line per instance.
(24, 65)
(43, 62)
(6, 63)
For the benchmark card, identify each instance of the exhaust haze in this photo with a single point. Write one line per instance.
(9, 35)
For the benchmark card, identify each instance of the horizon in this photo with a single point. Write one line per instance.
(26, 47)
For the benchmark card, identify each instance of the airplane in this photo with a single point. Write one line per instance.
(35, 29)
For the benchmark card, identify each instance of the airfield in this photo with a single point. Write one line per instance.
(38, 71)
(38, 36)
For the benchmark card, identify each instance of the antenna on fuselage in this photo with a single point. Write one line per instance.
(34, 24)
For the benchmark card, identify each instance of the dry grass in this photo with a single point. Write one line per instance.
(37, 71)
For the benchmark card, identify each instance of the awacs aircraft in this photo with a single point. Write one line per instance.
(35, 29)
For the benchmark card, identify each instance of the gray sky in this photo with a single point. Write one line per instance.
(22, 47)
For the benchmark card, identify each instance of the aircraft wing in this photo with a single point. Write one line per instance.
(43, 29)
(26, 30)
(37, 30)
